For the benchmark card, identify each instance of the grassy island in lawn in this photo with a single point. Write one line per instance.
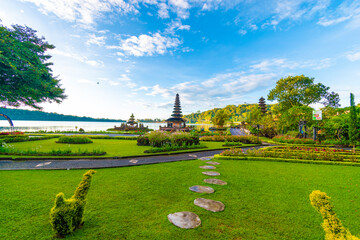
(263, 200)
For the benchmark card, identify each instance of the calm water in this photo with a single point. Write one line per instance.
(71, 126)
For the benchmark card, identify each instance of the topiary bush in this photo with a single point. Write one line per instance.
(74, 139)
(67, 214)
(334, 230)
(143, 141)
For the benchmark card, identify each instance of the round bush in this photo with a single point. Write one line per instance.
(74, 139)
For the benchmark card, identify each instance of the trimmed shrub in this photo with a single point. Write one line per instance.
(143, 141)
(67, 214)
(334, 230)
(232, 138)
(74, 139)
(160, 139)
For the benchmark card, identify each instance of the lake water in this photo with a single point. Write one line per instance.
(71, 126)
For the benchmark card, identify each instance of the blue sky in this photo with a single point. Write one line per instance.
(212, 52)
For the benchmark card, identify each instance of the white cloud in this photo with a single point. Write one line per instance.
(355, 56)
(82, 11)
(83, 59)
(163, 11)
(218, 89)
(242, 32)
(283, 63)
(173, 26)
(148, 45)
(346, 11)
(93, 39)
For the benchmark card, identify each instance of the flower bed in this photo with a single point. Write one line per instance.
(292, 140)
(313, 154)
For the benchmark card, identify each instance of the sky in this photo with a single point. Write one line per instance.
(117, 57)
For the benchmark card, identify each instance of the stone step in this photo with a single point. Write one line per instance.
(210, 205)
(185, 219)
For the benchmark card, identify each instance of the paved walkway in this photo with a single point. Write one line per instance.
(237, 131)
(103, 163)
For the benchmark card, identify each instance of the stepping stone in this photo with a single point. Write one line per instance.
(213, 163)
(201, 189)
(193, 155)
(211, 173)
(206, 158)
(133, 161)
(210, 205)
(184, 219)
(207, 167)
(43, 164)
(215, 181)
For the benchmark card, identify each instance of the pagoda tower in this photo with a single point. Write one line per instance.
(262, 105)
(131, 120)
(176, 120)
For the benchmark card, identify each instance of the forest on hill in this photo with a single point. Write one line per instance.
(238, 113)
(27, 115)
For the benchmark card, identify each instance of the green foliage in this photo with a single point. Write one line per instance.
(220, 118)
(170, 148)
(25, 73)
(112, 138)
(22, 114)
(74, 139)
(353, 123)
(160, 139)
(293, 140)
(297, 91)
(6, 149)
(24, 138)
(242, 139)
(334, 230)
(232, 144)
(67, 214)
(237, 113)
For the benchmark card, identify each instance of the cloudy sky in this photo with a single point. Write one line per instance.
(117, 57)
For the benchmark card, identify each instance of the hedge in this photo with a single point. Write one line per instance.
(218, 157)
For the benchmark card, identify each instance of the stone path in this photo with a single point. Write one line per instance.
(183, 219)
(106, 163)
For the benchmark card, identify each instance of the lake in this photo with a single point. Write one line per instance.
(32, 126)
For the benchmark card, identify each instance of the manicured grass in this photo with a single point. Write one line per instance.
(111, 147)
(264, 200)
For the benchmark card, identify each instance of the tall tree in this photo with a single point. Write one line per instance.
(297, 91)
(25, 74)
(332, 100)
(220, 118)
(353, 131)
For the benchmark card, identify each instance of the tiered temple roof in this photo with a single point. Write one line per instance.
(262, 105)
(131, 120)
(177, 114)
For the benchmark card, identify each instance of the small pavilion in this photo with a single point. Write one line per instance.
(131, 122)
(176, 122)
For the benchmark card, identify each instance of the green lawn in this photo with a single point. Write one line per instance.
(111, 147)
(264, 200)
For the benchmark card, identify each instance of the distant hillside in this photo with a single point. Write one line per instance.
(27, 115)
(238, 113)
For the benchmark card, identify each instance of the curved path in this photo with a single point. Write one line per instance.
(104, 163)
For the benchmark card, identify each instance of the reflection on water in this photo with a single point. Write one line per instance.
(32, 126)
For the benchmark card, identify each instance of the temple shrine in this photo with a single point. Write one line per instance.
(176, 122)
(131, 124)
